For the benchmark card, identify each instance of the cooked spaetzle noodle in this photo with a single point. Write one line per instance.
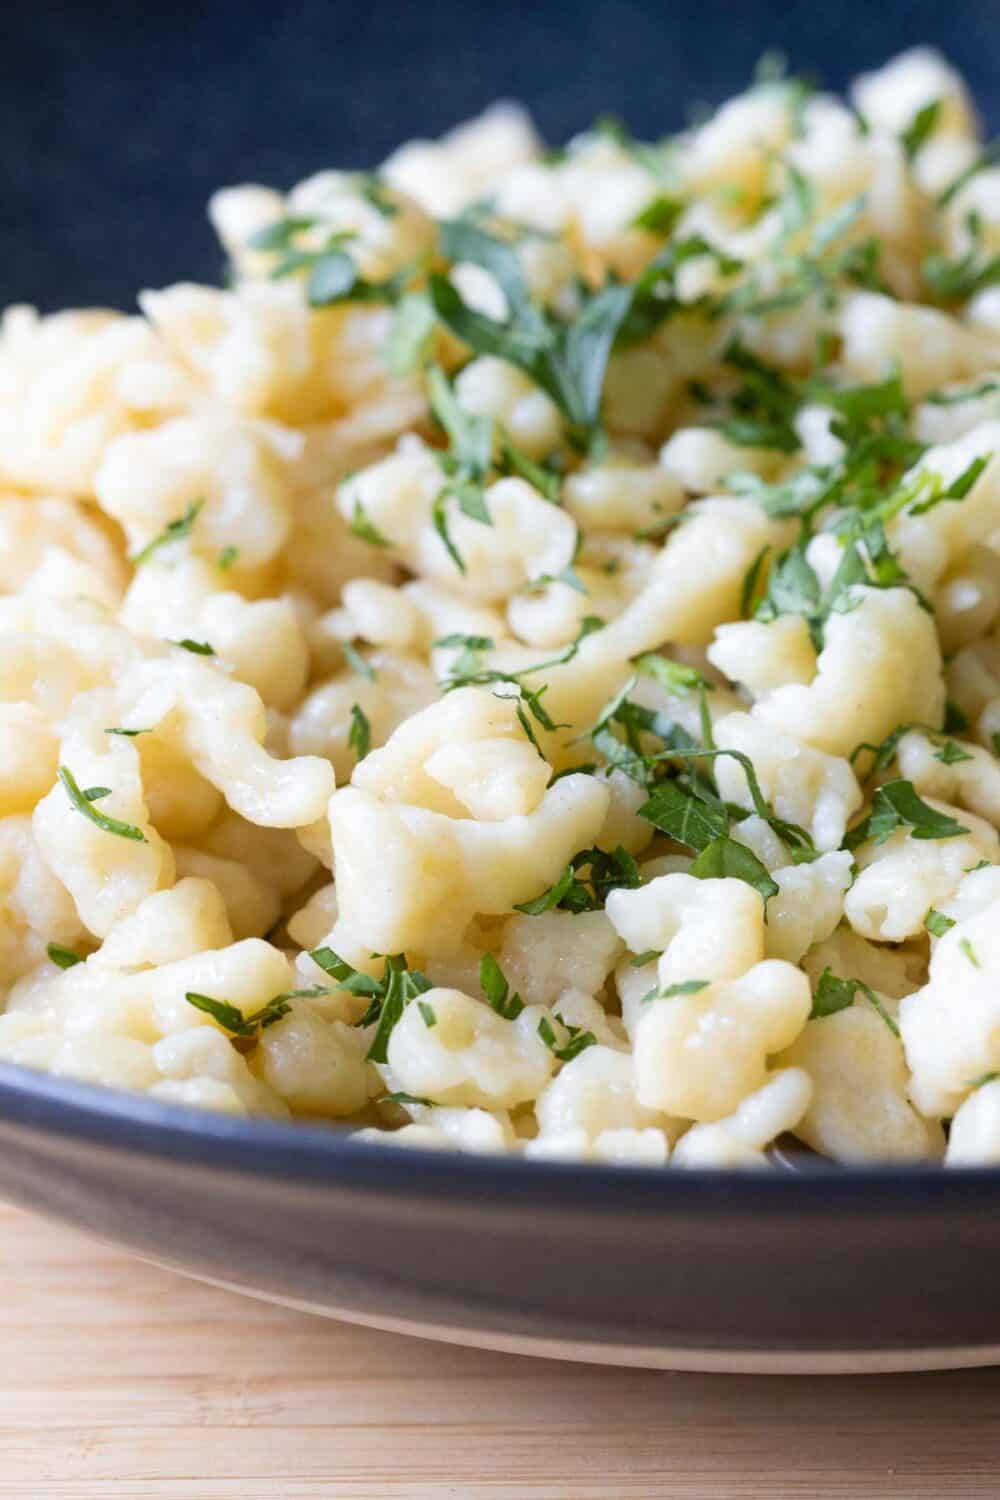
(519, 669)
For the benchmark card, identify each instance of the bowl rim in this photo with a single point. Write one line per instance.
(115, 1121)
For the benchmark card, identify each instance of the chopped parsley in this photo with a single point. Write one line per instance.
(952, 281)
(673, 991)
(244, 1031)
(920, 128)
(359, 738)
(986, 158)
(660, 215)
(577, 1041)
(357, 663)
(174, 531)
(197, 648)
(388, 997)
(950, 753)
(374, 191)
(330, 271)
(897, 805)
(467, 670)
(937, 923)
(834, 994)
(63, 958)
(965, 393)
(83, 802)
(726, 859)
(411, 334)
(586, 882)
(364, 529)
(497, 991)
(568, 360)
(966, 948)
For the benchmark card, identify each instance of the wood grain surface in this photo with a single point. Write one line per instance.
(119, 1381)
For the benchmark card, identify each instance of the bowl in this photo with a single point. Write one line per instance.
(816, 1269)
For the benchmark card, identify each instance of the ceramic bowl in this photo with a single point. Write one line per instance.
(816, 1268)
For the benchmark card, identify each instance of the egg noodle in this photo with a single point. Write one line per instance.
(518, 668)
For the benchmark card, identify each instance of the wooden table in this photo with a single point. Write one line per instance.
(122, 1382)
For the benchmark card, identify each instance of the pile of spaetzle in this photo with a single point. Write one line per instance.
(518, 668)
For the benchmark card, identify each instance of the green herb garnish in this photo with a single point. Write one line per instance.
(174, 531)
(82, 802)
(359, 738)
(63, 958)
(197, 648)
(364, 529)
(497, 991)
(672, 991)
(897, 805)
(834, 994)
(937, 923)
(578, 1042)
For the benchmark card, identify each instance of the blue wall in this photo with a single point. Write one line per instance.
(116, 121)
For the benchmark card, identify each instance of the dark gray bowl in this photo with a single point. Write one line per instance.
(821, 1269)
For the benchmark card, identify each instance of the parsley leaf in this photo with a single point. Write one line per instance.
(586, 882)
(897, 805)
(724, 858)
(388, 996)
(401, 986)
(834, 994)
(578, 1042)
(350, 979)
(684, 987)
(174, 531)
(567, 360)
(357, 663)
(685, 818)
(359, 737)
(659, 215)
(958, 280)
(246, 1028)
(471, 436)
(950, 753)
(674, 676)
(969, 952)
(551, 898)
(63, 958)
(374, 191)
(920, 128)
(82, 802)
(965, 393)
(331, 274)
(937, 923)
(987, 158)
(410, 334)
(365, 529)
(497, 991)
(197, 648)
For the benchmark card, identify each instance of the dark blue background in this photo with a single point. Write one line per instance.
(117, 121)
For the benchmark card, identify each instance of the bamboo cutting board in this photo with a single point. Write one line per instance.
(119, 1381)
